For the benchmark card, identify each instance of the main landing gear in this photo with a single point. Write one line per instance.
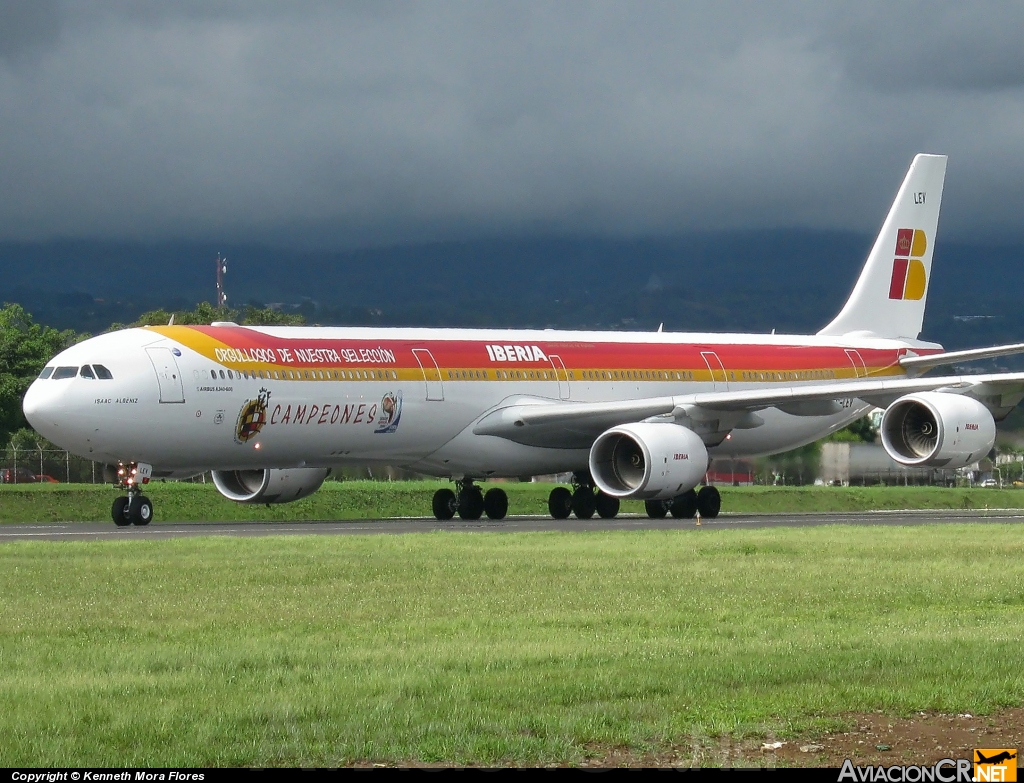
(584, 500)
(470, 502)
(136, 508)
(707, 502)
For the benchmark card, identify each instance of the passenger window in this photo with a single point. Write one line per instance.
(64, 372)
(86, 372)
(222, 375)
(46, 373)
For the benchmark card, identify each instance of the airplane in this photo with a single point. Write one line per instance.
(270, 411)
(996, 759)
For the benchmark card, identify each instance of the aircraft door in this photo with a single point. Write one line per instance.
(561, 374)
(167, 374)
(717, 370)
(431, 374)
(859, 370)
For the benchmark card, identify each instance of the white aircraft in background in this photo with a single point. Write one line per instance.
(271, 410)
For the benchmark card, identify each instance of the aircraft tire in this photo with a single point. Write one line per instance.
(684, 506)
(444, 504)
(496, 503)
(607, 506)
(140, 510)
(119, 512)
(656, 509)
(560, 503)
(709, 502)
(584, 504)
(471, 503)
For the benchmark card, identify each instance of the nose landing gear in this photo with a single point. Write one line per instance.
(136, 508)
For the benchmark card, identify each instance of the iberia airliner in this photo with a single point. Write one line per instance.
(271, 410)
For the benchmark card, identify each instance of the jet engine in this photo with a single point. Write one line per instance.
(937, 430)
(648, 461)
(269, 486)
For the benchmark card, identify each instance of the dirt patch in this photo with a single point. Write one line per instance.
(872, 739)
(923, 738)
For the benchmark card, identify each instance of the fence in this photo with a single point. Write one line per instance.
(32, 466)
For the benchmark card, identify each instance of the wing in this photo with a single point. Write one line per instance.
(537, 422)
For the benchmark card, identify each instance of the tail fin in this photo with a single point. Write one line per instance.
(889, 297)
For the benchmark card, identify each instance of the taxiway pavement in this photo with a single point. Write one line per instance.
(92, 531)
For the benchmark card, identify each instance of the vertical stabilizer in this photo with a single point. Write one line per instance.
(889, 297)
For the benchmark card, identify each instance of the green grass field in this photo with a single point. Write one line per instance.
(180, 502)
(517, 648)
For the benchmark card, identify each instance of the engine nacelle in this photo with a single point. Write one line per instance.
(937, 430)
(269, 486)
(648, 461)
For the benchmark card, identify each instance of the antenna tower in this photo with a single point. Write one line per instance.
(222, 269)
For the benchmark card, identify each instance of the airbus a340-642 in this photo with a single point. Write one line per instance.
(271, 410)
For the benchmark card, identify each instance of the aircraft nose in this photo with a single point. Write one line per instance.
(32, 405)
(42, 406)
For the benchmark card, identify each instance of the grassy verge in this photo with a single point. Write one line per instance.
(494, 649)
(380, 500)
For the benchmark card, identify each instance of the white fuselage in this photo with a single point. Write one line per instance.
(188, 399)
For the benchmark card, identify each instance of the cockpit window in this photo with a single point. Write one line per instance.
(64, 372)
(102, 372)
(46, 373)
(86, 372)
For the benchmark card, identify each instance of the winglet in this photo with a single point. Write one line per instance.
(889, 297)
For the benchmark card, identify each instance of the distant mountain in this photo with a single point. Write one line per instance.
(791, 281)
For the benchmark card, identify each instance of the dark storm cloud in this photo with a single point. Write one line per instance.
(962, 47)
(26, 25)
(371, 121)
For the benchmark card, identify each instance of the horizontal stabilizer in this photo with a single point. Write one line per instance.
(935, 359)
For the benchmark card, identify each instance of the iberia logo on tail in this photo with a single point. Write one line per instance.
(908, 276)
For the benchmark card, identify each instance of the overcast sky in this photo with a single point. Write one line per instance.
(345, 123)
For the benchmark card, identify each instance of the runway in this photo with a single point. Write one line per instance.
(92, 531)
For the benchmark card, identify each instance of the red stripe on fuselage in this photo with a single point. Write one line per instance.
(466, 354)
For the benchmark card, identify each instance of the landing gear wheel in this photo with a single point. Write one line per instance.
(471, 503)
(444, 504)
(119, 512)
(684, 506)
(584, 504)
(140, 510)
(709, 502)
(607, 505)
(560, 503)
(496, 503)
(656, 509)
